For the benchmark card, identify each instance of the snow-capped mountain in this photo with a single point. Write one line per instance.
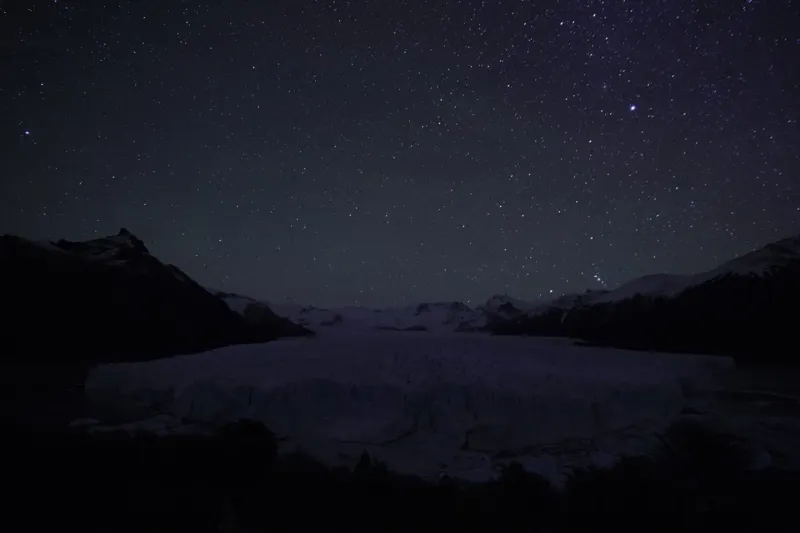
(118, 273)
(317, 317)
(123, 250)
(745, 307)
(653, 285)
(758, 263)
(426, 316)
(124, 247)
(504, 314)
(503, 305)
(259, 314)
(435, 316)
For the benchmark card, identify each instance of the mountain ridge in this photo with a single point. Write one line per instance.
(738, 308)
(107, 299)
(746, 307)
(590, 315)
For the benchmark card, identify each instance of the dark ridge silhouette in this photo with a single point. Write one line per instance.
(750, 317)
(109, 299)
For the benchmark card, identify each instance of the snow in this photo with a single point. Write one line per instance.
(45, 245)
(432, 317)
(424, 402)
(314, 317)
(123, 251)
(498, 302)
(758, 262)
(108, 249)
(455, 316)
(655, 285)
(236, 302)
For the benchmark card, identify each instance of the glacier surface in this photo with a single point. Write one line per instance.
(423, 402)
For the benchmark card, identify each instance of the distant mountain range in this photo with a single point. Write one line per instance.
(438, 317)
(109, 299)
(746, 307)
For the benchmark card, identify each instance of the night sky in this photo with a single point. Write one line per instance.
(384, 152)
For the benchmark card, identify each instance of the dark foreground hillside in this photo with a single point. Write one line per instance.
(235, 481)
(751, 318)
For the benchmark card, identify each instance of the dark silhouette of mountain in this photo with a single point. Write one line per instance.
(109, 299)
(746, 308)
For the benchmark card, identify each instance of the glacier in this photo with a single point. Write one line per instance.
(424, 402)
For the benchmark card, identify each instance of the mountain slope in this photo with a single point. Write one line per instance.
(259, 315)
(501, 307)
(764, 261)
(107, 299)
(746, 307)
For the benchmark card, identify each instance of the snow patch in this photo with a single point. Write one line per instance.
(502, 303)
(654, 286)
(431, 317)
(758, 262)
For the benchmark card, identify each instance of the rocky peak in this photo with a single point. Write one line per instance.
(760, 261)
(503, 303)
(126, 238)
(122, 247)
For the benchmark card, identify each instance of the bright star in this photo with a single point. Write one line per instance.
(633, 107)
(599, 279)
(27, 132)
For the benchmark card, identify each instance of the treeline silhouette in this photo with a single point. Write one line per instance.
(235, 480)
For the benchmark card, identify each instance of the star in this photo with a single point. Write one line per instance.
(313, 153)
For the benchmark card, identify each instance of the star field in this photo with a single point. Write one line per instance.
(380, 153)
